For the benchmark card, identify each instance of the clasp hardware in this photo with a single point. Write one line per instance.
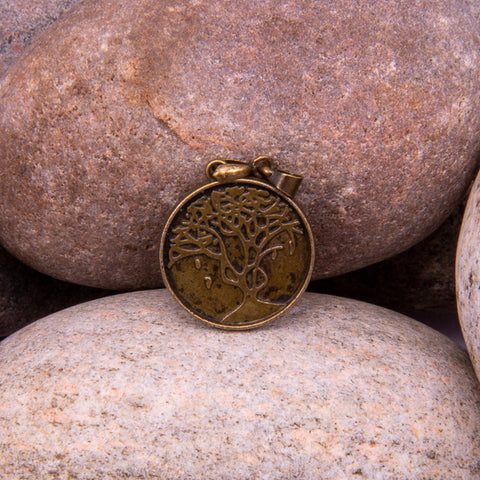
(262, 167)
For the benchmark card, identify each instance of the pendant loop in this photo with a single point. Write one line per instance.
(227, 170)
(286, 182)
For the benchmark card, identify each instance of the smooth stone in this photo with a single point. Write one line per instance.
(131, 386)
(21, 21)
(468, 275)
(115, 113)
(27, 295)
(420, 280)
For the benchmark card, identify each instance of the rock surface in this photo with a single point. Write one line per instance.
(421, 279)
(21, 21)
(132, 387)
(468, 275)
(117, 110)
(474, 6)
(27, 295)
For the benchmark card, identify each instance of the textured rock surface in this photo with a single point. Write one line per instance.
(421, 279)
(131, 387)
(120, 106)
(468, 275)
(21, 21)
(474, 6)
(27, 295)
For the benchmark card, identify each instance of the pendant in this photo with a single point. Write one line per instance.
(238, 251)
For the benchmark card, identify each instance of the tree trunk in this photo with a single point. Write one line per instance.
(251, 309)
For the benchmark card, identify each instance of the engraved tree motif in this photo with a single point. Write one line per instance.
(238, 226)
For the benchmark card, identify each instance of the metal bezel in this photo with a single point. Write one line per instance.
(212, 185)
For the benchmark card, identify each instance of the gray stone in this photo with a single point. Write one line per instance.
(131, 386)
(116, 111)
(468, 275)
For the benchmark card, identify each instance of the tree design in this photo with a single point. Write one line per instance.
(239, 227)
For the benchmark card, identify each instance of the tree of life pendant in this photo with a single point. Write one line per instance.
(237, 252)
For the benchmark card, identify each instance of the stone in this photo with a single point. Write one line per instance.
(131, 386)
(468, 275)
(27, 295)
(419, 280)
(115, 112)
(474, 6)
(21, 21)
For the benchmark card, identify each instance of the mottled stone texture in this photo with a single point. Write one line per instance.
(468, 275)
(421, 279)
(117, 110)
(474, 6)
(21, 21)
(27, 295)
(132, 387)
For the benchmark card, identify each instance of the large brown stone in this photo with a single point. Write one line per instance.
(421, 279)
(468, 275)
(133, 387)
(117, 110)
(21, 21)
(27, 295)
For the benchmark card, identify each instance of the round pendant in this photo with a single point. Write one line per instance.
(236, 254)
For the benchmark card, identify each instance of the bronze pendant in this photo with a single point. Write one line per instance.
(238, 252)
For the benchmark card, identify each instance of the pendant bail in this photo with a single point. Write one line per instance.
(227, 170)
(286, 182)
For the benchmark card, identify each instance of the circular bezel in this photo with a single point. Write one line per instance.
(302, 285)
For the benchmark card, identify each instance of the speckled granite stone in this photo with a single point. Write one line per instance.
(468, 275)
(474, 6)
(116, 111)
(27, 295)
(132, 387)
(21, 21)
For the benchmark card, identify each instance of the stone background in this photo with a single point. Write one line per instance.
(419, 282)
(131, 386)
(112, 106)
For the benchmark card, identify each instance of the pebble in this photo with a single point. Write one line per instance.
(112, 117)
(131, 386)
(468, 275)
